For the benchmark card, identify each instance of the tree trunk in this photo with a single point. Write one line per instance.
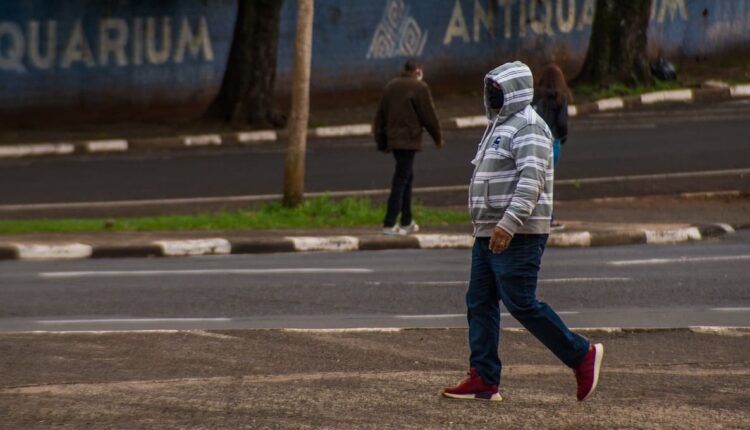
(246, 94)
(294, 166)
(617, 48)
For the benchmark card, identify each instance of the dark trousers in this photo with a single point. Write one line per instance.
(511, 277)
(400, 199)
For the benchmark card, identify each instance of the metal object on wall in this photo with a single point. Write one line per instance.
(112, 58)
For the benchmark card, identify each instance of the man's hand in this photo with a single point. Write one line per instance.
(500, 240)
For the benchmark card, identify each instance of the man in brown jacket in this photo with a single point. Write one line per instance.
(405, 109)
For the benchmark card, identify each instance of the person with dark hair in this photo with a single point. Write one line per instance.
(551, 100)
(405, 110)
(510, 202)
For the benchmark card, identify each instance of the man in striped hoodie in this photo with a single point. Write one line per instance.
(510, 200)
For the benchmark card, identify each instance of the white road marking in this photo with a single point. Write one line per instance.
(429, 316)
(653, 261)
(731, 309)
(130, 273)
(437, 283)
(541, 281)
(133, 320)
(373, 192)
(682, 175)
(582, 280)
(442, 316)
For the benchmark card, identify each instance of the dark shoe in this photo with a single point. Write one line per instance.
(473, 388)
(587, 373)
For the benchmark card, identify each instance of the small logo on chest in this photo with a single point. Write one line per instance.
(496, 143)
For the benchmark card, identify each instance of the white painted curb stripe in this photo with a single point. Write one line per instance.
(213, 246)
(53, 252)
(726, 227)
(117, 145)
(342, 130)
(36, 149)
(577, 239)
(332, 243)
(572, 110)
(666, 96)
(609, 104)
(437, 241)
(257, 136)
(470, 121)
(672, 236)
(740, 90)
(202, 140)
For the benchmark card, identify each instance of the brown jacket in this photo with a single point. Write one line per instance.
(405, 108)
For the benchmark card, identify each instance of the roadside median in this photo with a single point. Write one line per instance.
(353, 224)
(711, 91)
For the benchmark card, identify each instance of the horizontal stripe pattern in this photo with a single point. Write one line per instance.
(512, 184)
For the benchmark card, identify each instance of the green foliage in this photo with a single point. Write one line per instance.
(319, 212)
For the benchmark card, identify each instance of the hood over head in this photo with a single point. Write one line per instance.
(517, 84)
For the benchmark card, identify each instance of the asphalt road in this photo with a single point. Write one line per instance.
(666, 140)
(703, 283)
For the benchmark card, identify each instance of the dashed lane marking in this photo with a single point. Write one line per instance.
(280, 271)
(679, 260)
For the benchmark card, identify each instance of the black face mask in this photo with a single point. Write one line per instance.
(495, 97)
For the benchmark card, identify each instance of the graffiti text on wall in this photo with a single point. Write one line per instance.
(118, 42)
(540, 17)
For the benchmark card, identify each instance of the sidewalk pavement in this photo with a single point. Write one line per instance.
(695, 378)
(457, 111)
(599, 222)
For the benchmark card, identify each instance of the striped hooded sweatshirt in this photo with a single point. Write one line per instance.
(512, 182)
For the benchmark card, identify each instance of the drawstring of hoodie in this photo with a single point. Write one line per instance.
(483, 142)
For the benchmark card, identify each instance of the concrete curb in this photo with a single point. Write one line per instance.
(714, 93)
(224, 246)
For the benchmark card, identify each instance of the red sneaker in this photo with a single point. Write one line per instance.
(587, 373)
(473, 387)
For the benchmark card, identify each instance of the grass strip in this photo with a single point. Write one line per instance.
(313, 213)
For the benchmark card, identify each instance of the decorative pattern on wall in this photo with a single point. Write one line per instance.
(397, 34)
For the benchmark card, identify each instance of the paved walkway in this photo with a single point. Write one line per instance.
(271, 379)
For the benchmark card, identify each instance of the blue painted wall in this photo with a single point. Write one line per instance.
(139, 58)
(113, 57)
(358, 44)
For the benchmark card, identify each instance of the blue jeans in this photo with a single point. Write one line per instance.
(511, 277)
